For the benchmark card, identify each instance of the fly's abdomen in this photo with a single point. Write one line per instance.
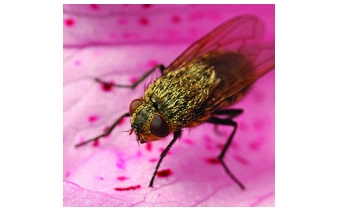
(235, 73)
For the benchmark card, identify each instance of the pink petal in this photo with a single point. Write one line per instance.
(120, 42)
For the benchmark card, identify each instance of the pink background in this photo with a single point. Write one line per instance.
(121, 42)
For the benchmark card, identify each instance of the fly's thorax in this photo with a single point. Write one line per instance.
(146, 122)
(179, 95)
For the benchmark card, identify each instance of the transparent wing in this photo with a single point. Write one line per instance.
(239, 34)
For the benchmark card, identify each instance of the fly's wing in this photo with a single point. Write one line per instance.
(236, 72)
(239, 36)
(231, 36)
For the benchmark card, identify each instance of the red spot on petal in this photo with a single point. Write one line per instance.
(121, 162)
(107, 86)
(122, 178)
(93, 118)
(133, 79)
(240, 159)
(220, 146)
(128, 188)
(145, 6)
(213, 160)
(94, 6)
(144, 21)
(96, 143)
(256, 144)
(164, 173)
(176, 19)
(152, 63)
(188, 141)
(149, 146)
(69, 22)
(121, 121)
(153, 160)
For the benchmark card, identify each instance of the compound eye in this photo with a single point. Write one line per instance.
(134, 105)
(159, 127)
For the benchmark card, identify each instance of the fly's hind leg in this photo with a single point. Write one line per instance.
(108, 131)
(160, 66)
(228, 120)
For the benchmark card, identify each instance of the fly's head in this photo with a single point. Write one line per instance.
(146, 122)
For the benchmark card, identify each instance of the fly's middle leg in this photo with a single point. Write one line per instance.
(176, 135)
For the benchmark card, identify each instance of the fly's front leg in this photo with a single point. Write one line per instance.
(176, 135)
(108, 131)
(230, 113)
(160, 66)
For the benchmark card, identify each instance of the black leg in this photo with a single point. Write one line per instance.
(106, 133)
(163, 154)
(160, 66)
(230, 113)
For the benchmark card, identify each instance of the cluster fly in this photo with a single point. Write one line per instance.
(212, 74)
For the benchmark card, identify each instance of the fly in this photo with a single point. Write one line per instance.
(212, 74)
